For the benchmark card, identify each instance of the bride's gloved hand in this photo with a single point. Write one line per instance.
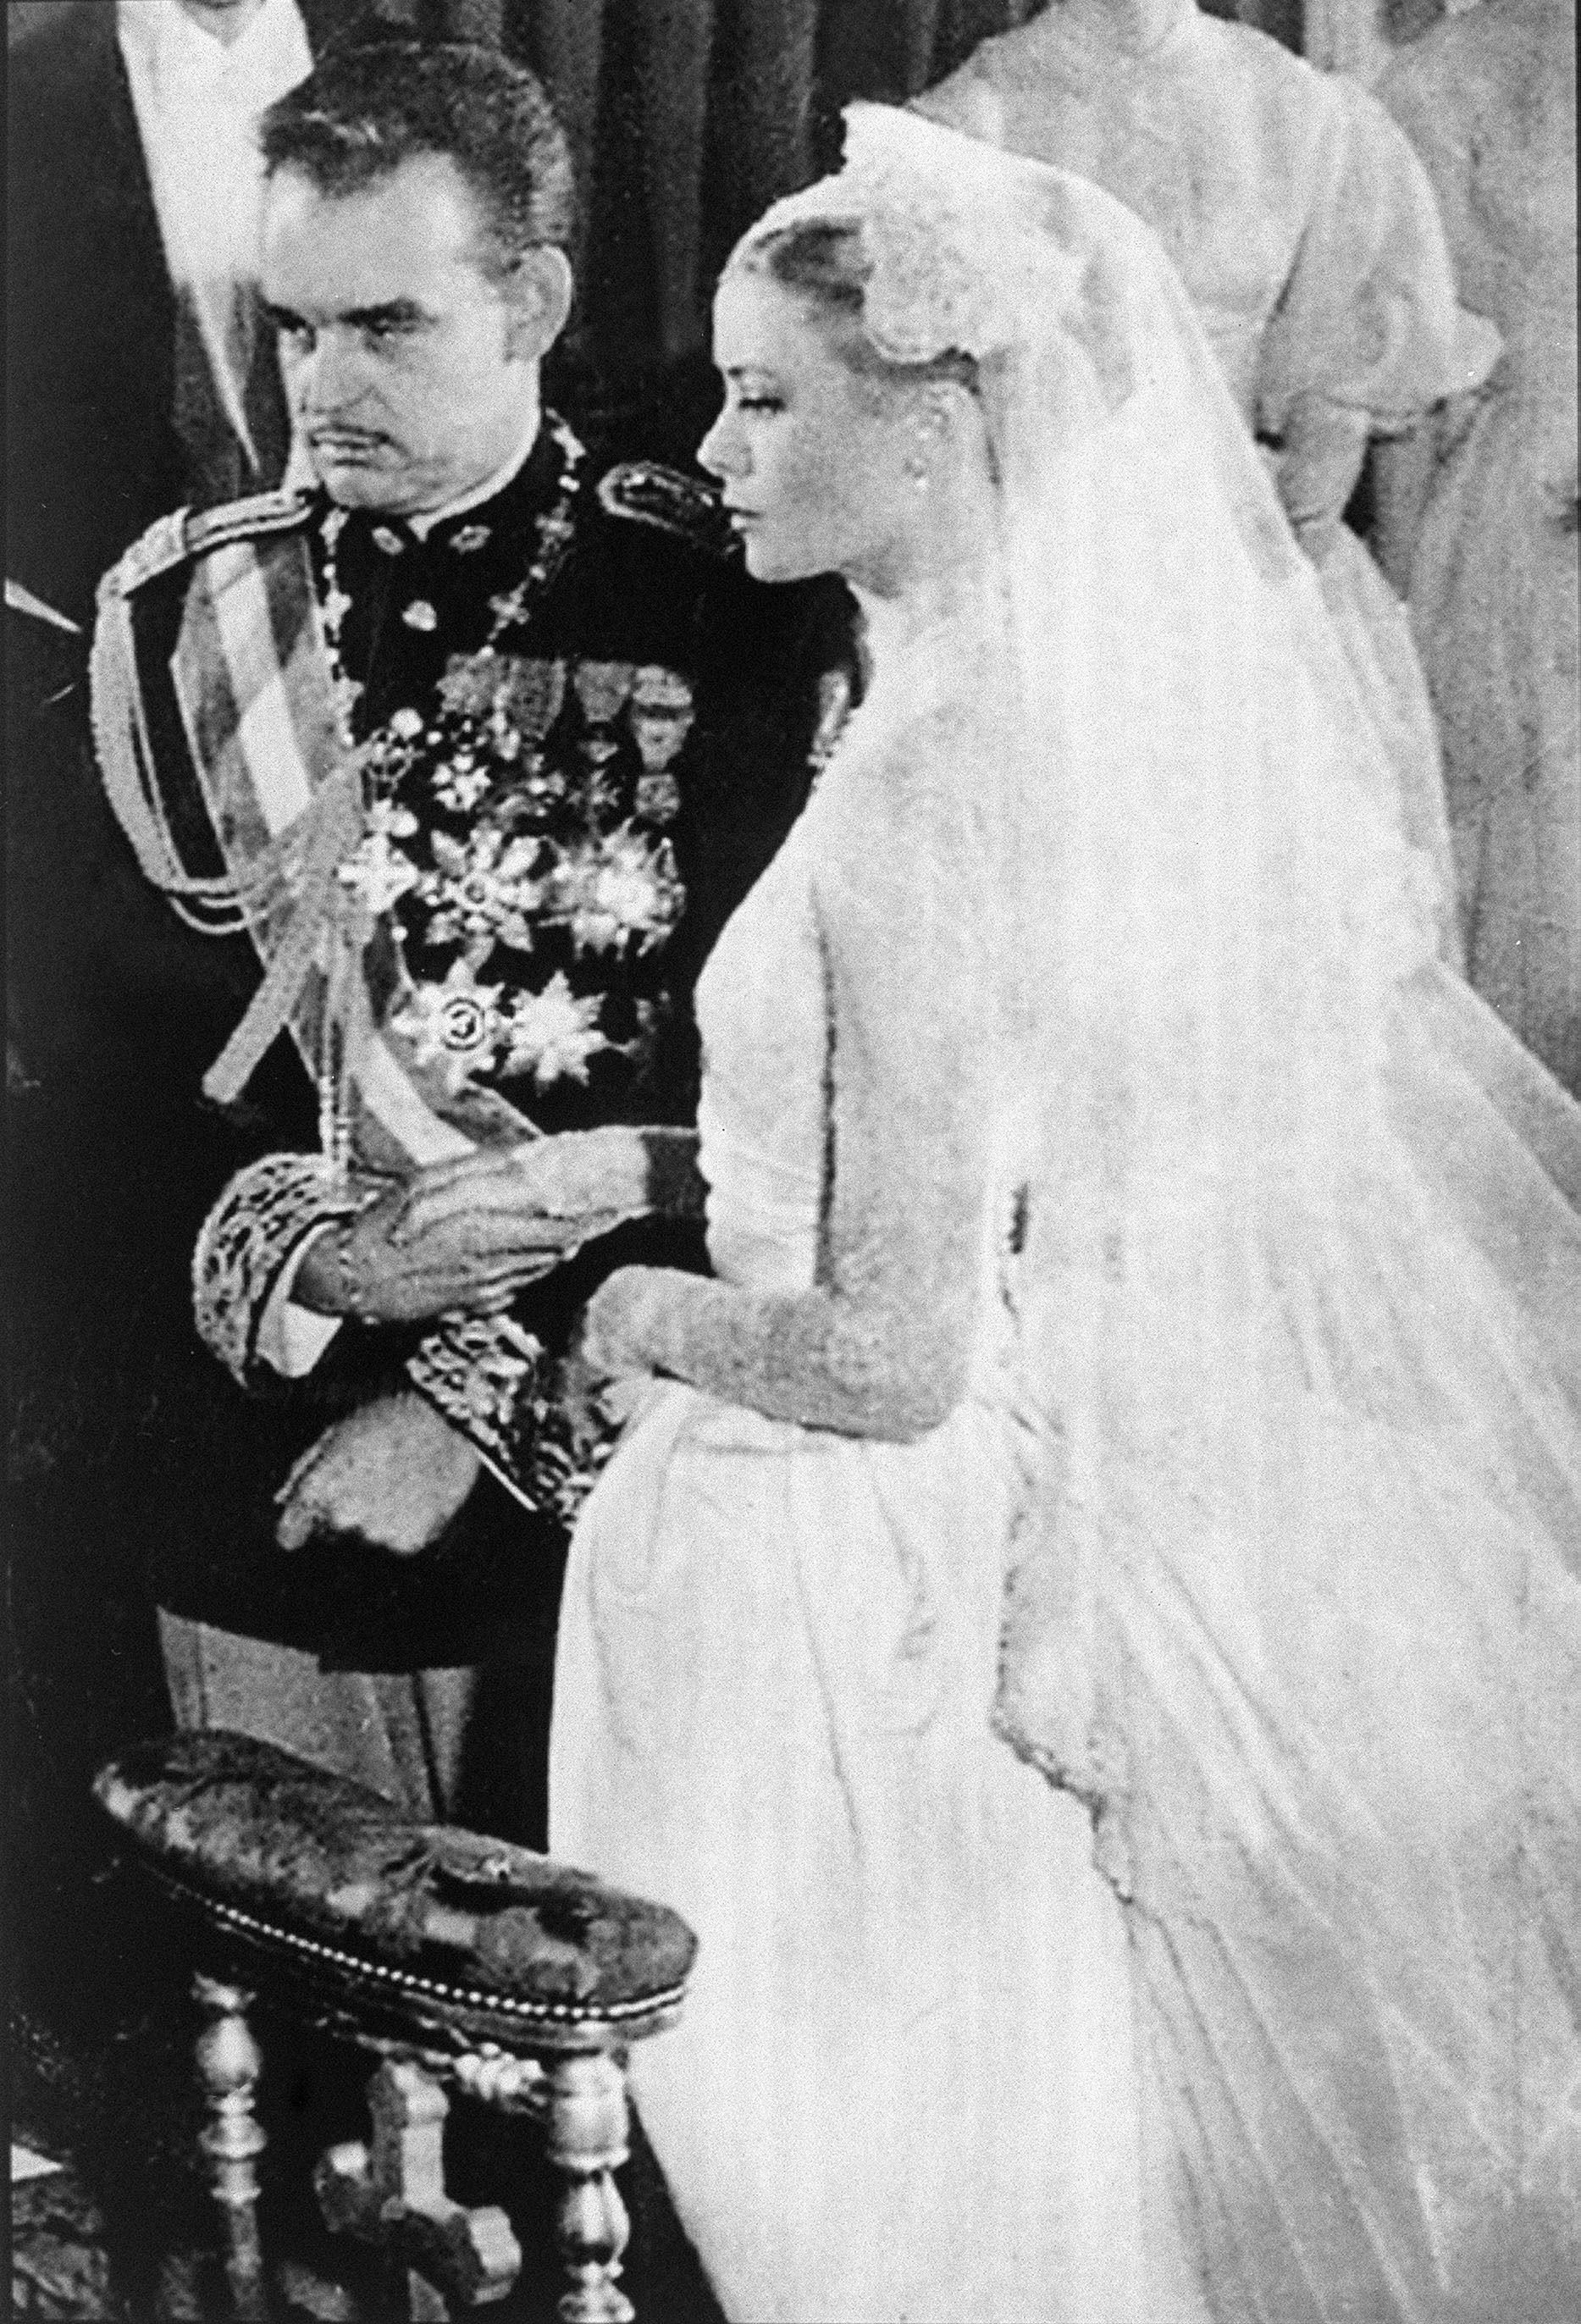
(564, 1190)
(602, 1383)
(468, 1259)
(610, 1337)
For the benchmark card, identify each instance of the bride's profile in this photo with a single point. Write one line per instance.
(1084, 1618)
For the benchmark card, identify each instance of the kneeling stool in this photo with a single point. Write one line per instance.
(465, 1964)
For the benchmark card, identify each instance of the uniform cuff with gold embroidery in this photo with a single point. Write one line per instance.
(490, 1380)
(484, 1375)
(247, 1242)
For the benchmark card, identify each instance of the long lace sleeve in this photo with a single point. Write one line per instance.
(881, 1346)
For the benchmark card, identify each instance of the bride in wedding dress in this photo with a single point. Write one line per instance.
(1084, 1619)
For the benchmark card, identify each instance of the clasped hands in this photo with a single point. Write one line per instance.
(464, 1236)
(468, 1236)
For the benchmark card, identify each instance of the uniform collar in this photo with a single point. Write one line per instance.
(430, 520)
(504, 509)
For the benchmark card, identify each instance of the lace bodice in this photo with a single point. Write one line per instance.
(762, 1011)
(851, 1122)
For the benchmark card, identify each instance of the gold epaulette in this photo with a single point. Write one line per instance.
(172, 541)
(276, 512)
(646, 492)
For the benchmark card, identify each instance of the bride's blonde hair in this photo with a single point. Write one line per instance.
(825, 263)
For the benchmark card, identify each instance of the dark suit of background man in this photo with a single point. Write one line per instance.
(114, 276)
(114, 111)
(530, 647)
(121, 300)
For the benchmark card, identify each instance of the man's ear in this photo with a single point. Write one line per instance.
(539, 295)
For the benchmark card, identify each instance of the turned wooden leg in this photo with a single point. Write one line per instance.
(229, 2060)
(587, 2138)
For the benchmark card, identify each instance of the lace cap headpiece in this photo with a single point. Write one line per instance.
(971, 251)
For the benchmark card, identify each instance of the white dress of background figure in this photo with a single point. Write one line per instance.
(1079, 1621)
(1489, 102)
(1306, 235)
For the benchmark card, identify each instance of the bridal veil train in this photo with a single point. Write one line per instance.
(1131, 1816)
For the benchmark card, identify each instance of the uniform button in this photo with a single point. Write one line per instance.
(470, 538)
(420, 615)
(390, 543)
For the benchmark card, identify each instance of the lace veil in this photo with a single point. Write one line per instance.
(1293, 1602)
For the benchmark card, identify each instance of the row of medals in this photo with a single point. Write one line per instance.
(521, 701)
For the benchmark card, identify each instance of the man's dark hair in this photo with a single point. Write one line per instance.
(363, 111)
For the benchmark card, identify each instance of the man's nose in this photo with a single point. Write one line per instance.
(722, 451)
(333, 377)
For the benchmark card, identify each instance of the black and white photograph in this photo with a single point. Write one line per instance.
(793, 1162)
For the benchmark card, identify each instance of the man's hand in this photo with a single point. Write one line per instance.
(471, 1260)
(393, 1474)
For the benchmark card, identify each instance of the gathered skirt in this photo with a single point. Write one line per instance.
(904, 2086)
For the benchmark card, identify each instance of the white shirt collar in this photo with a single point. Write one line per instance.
(179, 61)
(196, 102)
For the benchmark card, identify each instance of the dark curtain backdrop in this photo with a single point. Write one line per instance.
(690, 116)
(687, 118)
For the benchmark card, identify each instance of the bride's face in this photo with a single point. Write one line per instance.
(820, 465)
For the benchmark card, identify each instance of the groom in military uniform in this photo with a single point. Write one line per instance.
(478, 746)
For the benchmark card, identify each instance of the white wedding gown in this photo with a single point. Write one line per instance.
(1258, 1522)
(932, 2066)
(1315, 2066)
(904, 2083)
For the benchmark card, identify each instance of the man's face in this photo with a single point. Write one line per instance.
(411, 375)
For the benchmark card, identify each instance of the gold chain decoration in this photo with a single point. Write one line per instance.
(380, 760)
(555, 530)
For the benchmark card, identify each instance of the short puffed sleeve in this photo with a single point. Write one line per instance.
(1369, 319)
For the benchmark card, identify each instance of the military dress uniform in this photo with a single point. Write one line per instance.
(479, 793)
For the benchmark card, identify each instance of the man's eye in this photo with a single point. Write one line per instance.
(293, 334)
(761, 403)
(385, 327)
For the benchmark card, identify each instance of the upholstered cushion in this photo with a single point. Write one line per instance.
(443, 1930)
